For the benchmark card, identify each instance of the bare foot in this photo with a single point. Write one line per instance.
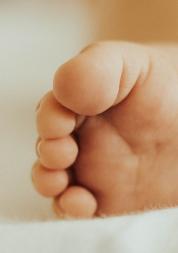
(121, 155)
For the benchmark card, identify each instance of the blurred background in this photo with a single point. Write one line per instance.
(138, 20)
(35, 38)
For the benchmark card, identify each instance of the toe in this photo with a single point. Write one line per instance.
(88, 84)
(76, 202)
(101, 76)
(57, 154)
(47, 182)
(53, 120)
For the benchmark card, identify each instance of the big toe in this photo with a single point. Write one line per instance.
(88, 84)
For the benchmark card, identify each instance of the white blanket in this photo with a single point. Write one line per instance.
(154, 232)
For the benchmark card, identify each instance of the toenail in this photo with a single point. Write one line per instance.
(38, 148)
(38, 106)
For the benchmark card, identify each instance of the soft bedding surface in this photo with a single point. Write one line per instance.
(31, 48)
(154, 232)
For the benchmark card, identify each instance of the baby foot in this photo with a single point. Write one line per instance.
(109, 133)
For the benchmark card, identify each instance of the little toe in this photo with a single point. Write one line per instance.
(49, 183)
(75, 202)
(54, 120)
(57, 154)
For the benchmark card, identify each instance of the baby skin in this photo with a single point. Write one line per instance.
(108, 132)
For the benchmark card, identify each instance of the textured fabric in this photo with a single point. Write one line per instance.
(154, 232)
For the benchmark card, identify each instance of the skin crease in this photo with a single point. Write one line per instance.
(119, 101)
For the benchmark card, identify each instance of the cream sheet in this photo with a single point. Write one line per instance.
(154, 232)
